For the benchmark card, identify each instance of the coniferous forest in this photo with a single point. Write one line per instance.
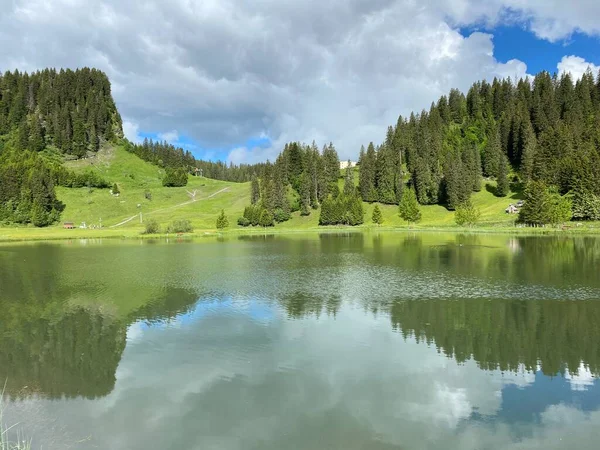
(539, 137)
(69, 111)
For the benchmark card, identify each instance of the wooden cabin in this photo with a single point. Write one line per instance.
(68, 225)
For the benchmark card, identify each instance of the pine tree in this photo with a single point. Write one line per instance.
(349, 180)
(409, 207)
(115, 189)
(502, 187)
(367, 175)
(255, 190)
(266, 219)
(377, 217)
(39, 216)
(222, 221)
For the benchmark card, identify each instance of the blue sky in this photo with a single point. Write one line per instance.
(515, 42)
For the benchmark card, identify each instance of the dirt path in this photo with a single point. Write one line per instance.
(170, 207)
(124, 222)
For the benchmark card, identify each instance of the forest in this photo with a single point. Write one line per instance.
(538, 137)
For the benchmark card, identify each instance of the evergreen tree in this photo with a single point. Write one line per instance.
(544, 206)
(255, 190)
(222, 221)
(266, 219)
(115, 189)
(349, 180)
(409, 207)
(377, 217)
(367, 174)
(39, 216)
(502, 187)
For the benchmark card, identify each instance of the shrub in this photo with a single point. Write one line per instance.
(243, 222)
(152, 227)
(115, 189)
(281, 215)
(175, 177)
(467, 214)
(222, 221)
(180, 226)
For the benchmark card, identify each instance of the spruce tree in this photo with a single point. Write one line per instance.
(349, 180)
(502, 186)
(409, 207)
(222, 221)
(377, 217)
(254, 190)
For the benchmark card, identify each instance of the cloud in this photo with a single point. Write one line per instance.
(171, 137)
(132, 131)
(222, 72)
(576, 66)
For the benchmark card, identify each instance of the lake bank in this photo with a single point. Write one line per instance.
(23, 234)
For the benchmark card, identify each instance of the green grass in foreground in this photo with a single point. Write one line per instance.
(136, 177)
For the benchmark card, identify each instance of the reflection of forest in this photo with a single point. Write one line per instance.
(75, 352)
(59, 339)
(504, 334)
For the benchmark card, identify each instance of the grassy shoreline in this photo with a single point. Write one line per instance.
(25, 234)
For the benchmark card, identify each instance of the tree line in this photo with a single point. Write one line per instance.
(545, 130)
(166, 155)
(303, 179)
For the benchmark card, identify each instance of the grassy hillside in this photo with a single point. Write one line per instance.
(135, 178)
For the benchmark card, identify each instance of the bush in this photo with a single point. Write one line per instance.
(281, 215)
(222, 221)
(115, 189)
(467, 214)
(175, 177)
(243, 222)
(152, 227)
(180, 226)
(148, 195)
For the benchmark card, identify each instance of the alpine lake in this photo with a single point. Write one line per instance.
(303, 341)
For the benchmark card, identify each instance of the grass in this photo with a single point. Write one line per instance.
(5, 443)
(136, 178)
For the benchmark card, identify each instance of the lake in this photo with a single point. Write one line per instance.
(331, 341)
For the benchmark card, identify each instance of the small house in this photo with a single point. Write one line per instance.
(68, 225)
(512, 209)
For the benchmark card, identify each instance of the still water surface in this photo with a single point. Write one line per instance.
(360, 341)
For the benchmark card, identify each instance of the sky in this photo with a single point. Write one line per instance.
(234, 80)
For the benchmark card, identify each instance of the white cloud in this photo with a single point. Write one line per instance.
(172, 137)
(224, 72)
(132, 131)
(576, 66)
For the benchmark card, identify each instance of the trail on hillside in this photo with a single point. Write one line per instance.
(171, 207)
(124, 222)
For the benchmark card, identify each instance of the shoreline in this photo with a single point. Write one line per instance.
(26, 234)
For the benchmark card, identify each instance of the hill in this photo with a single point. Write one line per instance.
(141, 191)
